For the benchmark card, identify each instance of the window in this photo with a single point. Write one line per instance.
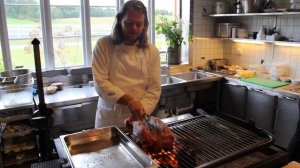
(102, 14)
(67, 30)
(66, 33)
(1, 58)
(23, 24)
(166, 8)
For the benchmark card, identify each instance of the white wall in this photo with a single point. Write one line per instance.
(206, 47)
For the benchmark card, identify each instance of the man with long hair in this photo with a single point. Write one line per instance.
(126, 69)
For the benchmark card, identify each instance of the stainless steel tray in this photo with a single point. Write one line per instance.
(104, 147)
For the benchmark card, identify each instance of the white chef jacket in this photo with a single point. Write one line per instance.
(122, 69)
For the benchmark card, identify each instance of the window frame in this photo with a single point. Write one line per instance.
(46, 24)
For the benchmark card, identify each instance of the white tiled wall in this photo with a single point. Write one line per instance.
(206, 47)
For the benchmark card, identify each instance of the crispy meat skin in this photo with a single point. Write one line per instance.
(151, 141)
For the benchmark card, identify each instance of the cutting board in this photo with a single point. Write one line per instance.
(264, 82)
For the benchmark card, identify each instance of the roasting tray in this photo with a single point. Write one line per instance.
(104, 147)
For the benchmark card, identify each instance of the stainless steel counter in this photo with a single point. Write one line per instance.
(70, 95)
(280, 91)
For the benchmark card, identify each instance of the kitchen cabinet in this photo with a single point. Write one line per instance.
(73, 118)
(233, 100)
(261, 109)
(207, 98)
(286, 120)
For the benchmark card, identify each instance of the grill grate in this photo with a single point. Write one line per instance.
(206, 141)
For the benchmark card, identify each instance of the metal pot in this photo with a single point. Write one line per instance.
(251, 6)
(221, 7)
(17, 76)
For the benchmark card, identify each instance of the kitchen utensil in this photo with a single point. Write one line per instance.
(295, 81)
(224, 29)
(259, 5)
(248, 6)
(147, 123)
(264, 82)
(17, 76)
(251, 6)
(234, 32)
(269, 6)
(242, 33)
(221, 7)
(238, 6)
(217, 63)
(104, 147)
(295, 4)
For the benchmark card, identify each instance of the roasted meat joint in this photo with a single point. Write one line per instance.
(155, 138)
(151, 134)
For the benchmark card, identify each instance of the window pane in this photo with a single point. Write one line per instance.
(66, 30)
(1, 59)
(23, 23)
(166, 8)
(102, 14)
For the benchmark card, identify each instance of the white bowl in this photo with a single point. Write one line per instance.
(295, 81)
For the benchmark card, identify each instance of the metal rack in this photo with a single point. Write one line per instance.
(254, 14)
(13, 139)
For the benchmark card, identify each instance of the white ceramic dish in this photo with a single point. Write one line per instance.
(295, 81)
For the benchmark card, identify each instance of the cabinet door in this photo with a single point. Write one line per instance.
(286, 120)
(261, 108)
(233, 100)
(73, 118)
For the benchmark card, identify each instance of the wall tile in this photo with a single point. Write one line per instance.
(206, 46)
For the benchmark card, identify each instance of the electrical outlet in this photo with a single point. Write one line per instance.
(239, 52)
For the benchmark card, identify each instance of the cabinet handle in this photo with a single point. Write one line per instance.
(233, 84)
(257, 90)
(289, 98)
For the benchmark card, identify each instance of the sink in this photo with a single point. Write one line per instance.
(166, 80)
(171, 86)
(193, 76)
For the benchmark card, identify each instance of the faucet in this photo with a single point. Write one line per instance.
(168, 70)
(165, 70)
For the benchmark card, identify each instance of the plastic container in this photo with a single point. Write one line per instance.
(225, 29)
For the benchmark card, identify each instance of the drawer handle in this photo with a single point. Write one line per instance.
(288, 98)
(233, 84)
(257, 90)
